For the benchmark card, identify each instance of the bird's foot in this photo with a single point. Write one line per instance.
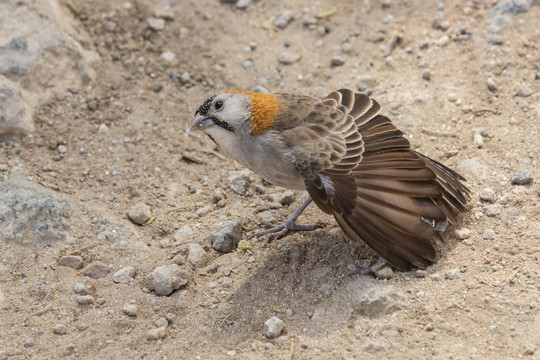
(280, 231)
(374, 267)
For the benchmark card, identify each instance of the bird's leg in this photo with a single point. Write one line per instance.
(289, 225)
(374, 267)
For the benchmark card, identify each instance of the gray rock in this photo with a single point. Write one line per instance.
(426, 75)
(373, 298)
(248, 64)
(140, 213)
(79, 289)
(161, 322)
(512, 7)
(183, 234)
(50, 57)
(15, 114)
(373, 347)
(156, 334)
(59, 329)
(462, 233)
(74, 262)
(384, 273)
(29, 213)
(225, 235)
(28, 342)
(125, 275)
(167, 278)
(337, 61)
(495, 39)
(238, 181)
(524, 91)
(284, 198)
(168, 56)
(492, 85)
(283, 20)
(452, 274)
(488, 195)
(130, 309)
(243, 4)
(156, 24)
(269, 217)
(489, 234)
(289, 57)
(273, 327)
(197, 256)
(522, 177)
(95, 270)
(85, 300)
(365, 82)
(493, 210)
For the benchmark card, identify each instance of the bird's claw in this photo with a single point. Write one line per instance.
(280, 231)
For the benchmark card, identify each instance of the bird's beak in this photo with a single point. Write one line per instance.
(200, 122)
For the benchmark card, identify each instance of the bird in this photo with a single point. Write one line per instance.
(355, 164)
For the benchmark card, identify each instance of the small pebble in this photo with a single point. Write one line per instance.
(273, 327)
(284, 20)
(489, 234)
(103, 128)
(284, 198)
(488, 194)
(493, 210)
(492, 85)
(156, 334)
(59, 329)
(167, 278)
(522, 91)
(74, 262)
(289, 58)
(522, 177)
(140, 213)
(248, 64)
(157, 88)
(95, 270)
(161, 322)
(478, 140)
(79, 289)
(337, 61)
(225, 235)
(426, 75)
(420, 273)
(124, 276)
(383, 273)
(452, 97)
(452, 274)
(168, 56)
(243, 4)
(156, 24)
(130, 309)
(197, 255)
(495, 39)
(428, 327)
(462, 233)
(28, 342)
(62, 149)
(85, 300)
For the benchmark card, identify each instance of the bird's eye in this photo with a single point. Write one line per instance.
(218, 105)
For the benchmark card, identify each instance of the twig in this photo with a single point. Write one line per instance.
(77, 251)
(39, 312)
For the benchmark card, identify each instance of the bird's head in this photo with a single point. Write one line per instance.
(235, 112)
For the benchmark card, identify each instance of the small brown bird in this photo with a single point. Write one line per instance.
(354, 163)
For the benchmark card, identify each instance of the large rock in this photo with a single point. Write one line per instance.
(29, 213)
(41, 52)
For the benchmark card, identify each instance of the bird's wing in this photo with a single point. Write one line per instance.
(384, 193)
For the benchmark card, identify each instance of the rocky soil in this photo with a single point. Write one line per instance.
(121, 237)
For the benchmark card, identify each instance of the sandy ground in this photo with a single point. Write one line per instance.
(474, 70)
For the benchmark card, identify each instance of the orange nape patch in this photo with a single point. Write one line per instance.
(264, 108)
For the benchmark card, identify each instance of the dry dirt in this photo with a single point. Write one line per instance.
(490, 311)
